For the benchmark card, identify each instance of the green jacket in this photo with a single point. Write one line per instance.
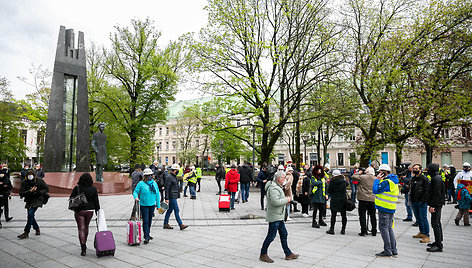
(319, 196)
(276, 202)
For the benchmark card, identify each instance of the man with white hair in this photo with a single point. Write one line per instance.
(386, 195)
(276, 203)
(366, 198)
(465, 174)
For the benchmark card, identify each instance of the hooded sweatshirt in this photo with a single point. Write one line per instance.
(384, 186)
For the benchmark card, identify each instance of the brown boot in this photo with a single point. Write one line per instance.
(38, 232)
(292, 257)
(425, 239)
(183, 226)
(167, 226)
(265, 258)
(23, 235)
(419, 235)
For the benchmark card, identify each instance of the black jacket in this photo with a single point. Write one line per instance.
(296, 176)
(172, 187)
(419, 187)
(5, 185)
(90, 193)
(337, 190)
(437, 192)
(33, 199)
(220, 174)
(245, 174)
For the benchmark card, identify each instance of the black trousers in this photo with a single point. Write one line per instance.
(262, 197)
(366, 207)
(198, 183)
(437, 228)
(318, 207)
(333, 219)
(4, 204)
(219, 185)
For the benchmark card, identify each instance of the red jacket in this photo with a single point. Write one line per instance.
(231, 181)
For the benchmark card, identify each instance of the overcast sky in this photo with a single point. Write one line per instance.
(29, 28)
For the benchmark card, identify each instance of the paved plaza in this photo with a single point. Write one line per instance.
(217, 239)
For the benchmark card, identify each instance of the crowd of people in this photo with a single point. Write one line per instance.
(282, 189)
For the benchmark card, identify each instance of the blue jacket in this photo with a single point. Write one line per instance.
(464, 202)
(147, 198)
(379, 188)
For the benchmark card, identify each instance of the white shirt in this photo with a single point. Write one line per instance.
(462, 176)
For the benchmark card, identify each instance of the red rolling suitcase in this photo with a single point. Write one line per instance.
(223, 202)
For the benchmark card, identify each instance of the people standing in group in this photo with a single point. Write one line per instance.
(5, 188)
(147, 194)
(451, 196)
(435, 201)
(337, 190)
(419, 188)
(288, 190)
(353, 184)
(366, 197)
(276, 205)
(464, 174)
(83, 215)
(296, 176)
(219, 176)
(464, 200)
(191, 178)
(231, 183)
(386, 195)
(172, 193)
(245, 174)
(32, 190)
(305, 191)
(318, 196)
(405, 178)
(136, 177)
(262, 179)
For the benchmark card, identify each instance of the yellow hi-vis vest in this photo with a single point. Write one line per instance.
(190, 177)
(199, 172)
(315, 188)
(388, 199)
(443, 174)
(181, 172)
(228, 169)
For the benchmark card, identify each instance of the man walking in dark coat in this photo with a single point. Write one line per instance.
(436, 200)
(245, 178)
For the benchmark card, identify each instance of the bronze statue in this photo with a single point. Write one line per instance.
(99, 145)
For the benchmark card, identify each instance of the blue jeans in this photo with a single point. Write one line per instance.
(245, 191)
(353, 192)
(31, 220)
(421, 214)
(233, 196)
(273, 228)
(173, 206)
(408, 208)
(192, 191)
(146, 213)
(385, 228)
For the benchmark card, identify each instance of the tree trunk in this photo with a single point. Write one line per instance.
(133, 149)
(318, 146)
(429, 153)
(297, 140)
(399, 153)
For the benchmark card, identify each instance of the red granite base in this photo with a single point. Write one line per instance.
(62, 183)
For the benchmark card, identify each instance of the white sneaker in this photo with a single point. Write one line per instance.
(289, 219)
(305, 215)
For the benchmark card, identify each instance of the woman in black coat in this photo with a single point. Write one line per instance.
(305, 196)
(32, 189)
(337, 191)
(84, 214)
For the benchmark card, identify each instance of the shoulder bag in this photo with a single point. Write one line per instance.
(78, 201)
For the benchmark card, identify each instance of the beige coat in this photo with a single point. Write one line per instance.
(364, 189)
(288, 186)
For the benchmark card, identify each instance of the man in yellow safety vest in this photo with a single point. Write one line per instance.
(386, 195)
(191, 178)
(198, 172)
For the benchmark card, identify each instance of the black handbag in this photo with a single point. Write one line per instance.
(45, 198)
(78, 201)
(350, 205)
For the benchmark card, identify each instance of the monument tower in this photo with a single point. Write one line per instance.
(67, 129)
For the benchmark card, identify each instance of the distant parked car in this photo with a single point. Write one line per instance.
(125, 168)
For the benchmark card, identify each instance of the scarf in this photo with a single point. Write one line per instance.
(150, 183)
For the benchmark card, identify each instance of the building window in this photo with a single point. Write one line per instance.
(352, 159)
(181, 145)
(174, 145)
(167, 131)
(445, 133)
(238, 122)
(352, 138)
(466, 133)
(173, 159)
(167, 146)
(160, 131)
(167, 160)
(23, 136)
(340, 137)
(340, 159)
(197, 143)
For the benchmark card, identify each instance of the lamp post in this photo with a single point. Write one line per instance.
(305, 139)
(313, 135)
(253, 152)
(221, 152)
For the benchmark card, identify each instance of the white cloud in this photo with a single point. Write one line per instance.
(29, 28)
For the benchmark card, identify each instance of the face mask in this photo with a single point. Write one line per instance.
(416, 172)
(466, 170)
(30, 177)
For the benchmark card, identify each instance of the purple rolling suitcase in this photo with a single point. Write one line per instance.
(104, 243)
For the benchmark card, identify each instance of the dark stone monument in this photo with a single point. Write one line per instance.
(67, 129)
